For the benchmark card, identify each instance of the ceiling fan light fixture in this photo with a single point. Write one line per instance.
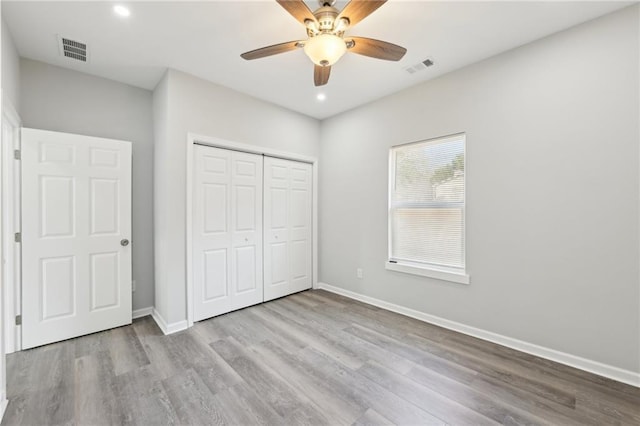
(325, 43)
(325, 49)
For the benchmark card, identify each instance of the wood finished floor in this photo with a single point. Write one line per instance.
(311, 358)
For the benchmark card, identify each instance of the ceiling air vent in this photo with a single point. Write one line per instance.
(72, 49)
(419, 66)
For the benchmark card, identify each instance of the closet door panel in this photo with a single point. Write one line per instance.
(211, 236)
(287, 221)
(247, 229)
(300, 225)
(227, 231)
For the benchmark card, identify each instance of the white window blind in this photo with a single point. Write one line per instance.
(426, 203)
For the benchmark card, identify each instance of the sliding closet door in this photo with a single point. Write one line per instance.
(227, 231)
(288, 226)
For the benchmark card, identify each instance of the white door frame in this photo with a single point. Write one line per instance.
(192, 139)
(10, 225)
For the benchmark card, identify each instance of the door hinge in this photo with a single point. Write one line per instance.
(17, 237)
(16, 154)
(18, 319)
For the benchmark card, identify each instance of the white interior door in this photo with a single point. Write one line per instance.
(76, 222)
(288, 227)
(227, 231)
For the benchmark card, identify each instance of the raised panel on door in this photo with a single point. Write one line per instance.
(246, 266)
(278, 265)
(287, 222)
(245, 208)
(214, 208)
(57, 206)
(104, 195)
(216, 279)
(76, 208)
(57, 287)
(105, 270)
(227, 231)
(103, 157)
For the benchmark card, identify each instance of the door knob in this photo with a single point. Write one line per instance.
(124, 242)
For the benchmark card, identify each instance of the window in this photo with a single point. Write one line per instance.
(426, 208)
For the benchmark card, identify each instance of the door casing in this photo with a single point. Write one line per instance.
(11, 225)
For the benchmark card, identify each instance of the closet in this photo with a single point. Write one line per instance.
(252, 229)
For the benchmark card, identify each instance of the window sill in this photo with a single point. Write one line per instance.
(441, 274)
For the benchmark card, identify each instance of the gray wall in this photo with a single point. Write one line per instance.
(58, 99)
(182, 104)
(552, 192)
(10, 69)
(161, 179)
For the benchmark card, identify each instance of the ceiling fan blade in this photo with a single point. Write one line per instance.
(270, 50)
(321, 75)
(357, 10)
(298, 9)
(376, 48)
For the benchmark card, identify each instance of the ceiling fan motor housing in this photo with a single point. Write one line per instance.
(326, 16)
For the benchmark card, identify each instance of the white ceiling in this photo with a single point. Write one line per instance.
(206, 39)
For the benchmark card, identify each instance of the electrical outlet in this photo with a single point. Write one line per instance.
(133, 286)
(359, 273)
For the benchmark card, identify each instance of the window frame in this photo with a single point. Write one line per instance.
(442, 272)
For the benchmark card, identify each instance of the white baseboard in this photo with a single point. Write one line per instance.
(609, 371)
(3, 407)
(168, 328)
(142, 312)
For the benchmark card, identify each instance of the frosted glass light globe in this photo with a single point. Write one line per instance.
(325, 49)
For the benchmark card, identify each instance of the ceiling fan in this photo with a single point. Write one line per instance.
(326, 42)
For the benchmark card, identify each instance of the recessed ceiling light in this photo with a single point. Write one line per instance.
(321, 97)
(121, 10)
